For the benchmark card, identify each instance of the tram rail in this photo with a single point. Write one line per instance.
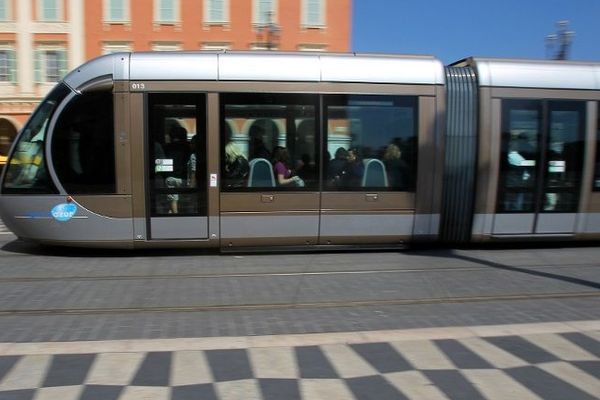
(300, 305)
(31, 279)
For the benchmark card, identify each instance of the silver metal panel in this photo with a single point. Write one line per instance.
(556, 223)
(269, 67)
(591, 222)
(366, 225)
(178, 228)
(264, 225)
(30, 217)
(381, 69)
(426, 224)
(116, 65)
(139, 229)
(537, 74)
(482, 224)
(174, 66)
(508, 224)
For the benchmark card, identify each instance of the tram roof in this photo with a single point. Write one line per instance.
(261, 66)
(542, 74)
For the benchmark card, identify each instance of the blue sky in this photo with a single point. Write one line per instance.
(454, 29)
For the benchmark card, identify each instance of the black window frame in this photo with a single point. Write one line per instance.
(273, 98)
(409, 101)
(57, 95)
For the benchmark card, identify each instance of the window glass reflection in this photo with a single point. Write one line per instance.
(269, 141)
(371, 143)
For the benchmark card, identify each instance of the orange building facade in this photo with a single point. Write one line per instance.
(41, 40)
(287, 25)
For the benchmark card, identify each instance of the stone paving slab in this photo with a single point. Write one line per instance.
(522, 361)
(152, 325)
(4, 229)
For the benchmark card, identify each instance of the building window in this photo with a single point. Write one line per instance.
(49, 10)
(312, 47)
(264, 11)
(7, 66)
(313, 13)
(216, 46)
(216, 11)
(5, 11)
(50, 65)
(116, 47)
(167, 11)
(166, 47)
(116, 10)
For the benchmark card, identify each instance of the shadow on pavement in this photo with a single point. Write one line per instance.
(31, 248)
(450, 253)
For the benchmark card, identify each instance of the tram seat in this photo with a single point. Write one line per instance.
(374, 174)
(261, 173)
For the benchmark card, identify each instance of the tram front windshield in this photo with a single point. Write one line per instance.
(26, 170)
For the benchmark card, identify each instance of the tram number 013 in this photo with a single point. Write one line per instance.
(138, 86)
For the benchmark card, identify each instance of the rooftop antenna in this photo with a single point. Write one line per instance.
(559, 43)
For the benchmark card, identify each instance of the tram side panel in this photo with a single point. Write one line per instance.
(61, 186)
(588, 227)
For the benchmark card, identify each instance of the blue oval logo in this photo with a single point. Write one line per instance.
(64, 212)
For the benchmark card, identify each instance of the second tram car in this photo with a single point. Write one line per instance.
(239, 150)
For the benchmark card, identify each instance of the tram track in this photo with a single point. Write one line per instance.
(300, 305)
(84, 278)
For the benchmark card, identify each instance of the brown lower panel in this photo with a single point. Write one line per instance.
(587, 236)
(594, 202)
(176, 244)
(370, 201)
(358, 240)
(269, 202)
(110, 206)
(268, 242)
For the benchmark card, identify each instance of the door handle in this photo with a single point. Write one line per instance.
(267, 198)
(371, 197)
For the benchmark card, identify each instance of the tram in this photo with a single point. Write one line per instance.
(236, 150)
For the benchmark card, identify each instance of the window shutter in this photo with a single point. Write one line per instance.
(62, 63)
(3, 11)
(217, 13)
(37, 56)
(313, 12)
(12, 66)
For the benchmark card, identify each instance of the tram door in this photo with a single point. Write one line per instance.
(540, 167)
(177, 195)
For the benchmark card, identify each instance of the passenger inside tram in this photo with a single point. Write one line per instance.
(236, 166)
(178, 151)
(396, 168)
(282, 169)
(521, 172)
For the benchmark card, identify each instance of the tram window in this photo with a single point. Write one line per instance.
(177, 154)
(597, 165)
(26, 171)
(83, 145)
(541, 168)
(521, 125)
(371, 142)
(564, 156)
(269, 141)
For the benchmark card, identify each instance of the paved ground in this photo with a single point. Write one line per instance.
(493, 323)
(535, 361)
(3, 228)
